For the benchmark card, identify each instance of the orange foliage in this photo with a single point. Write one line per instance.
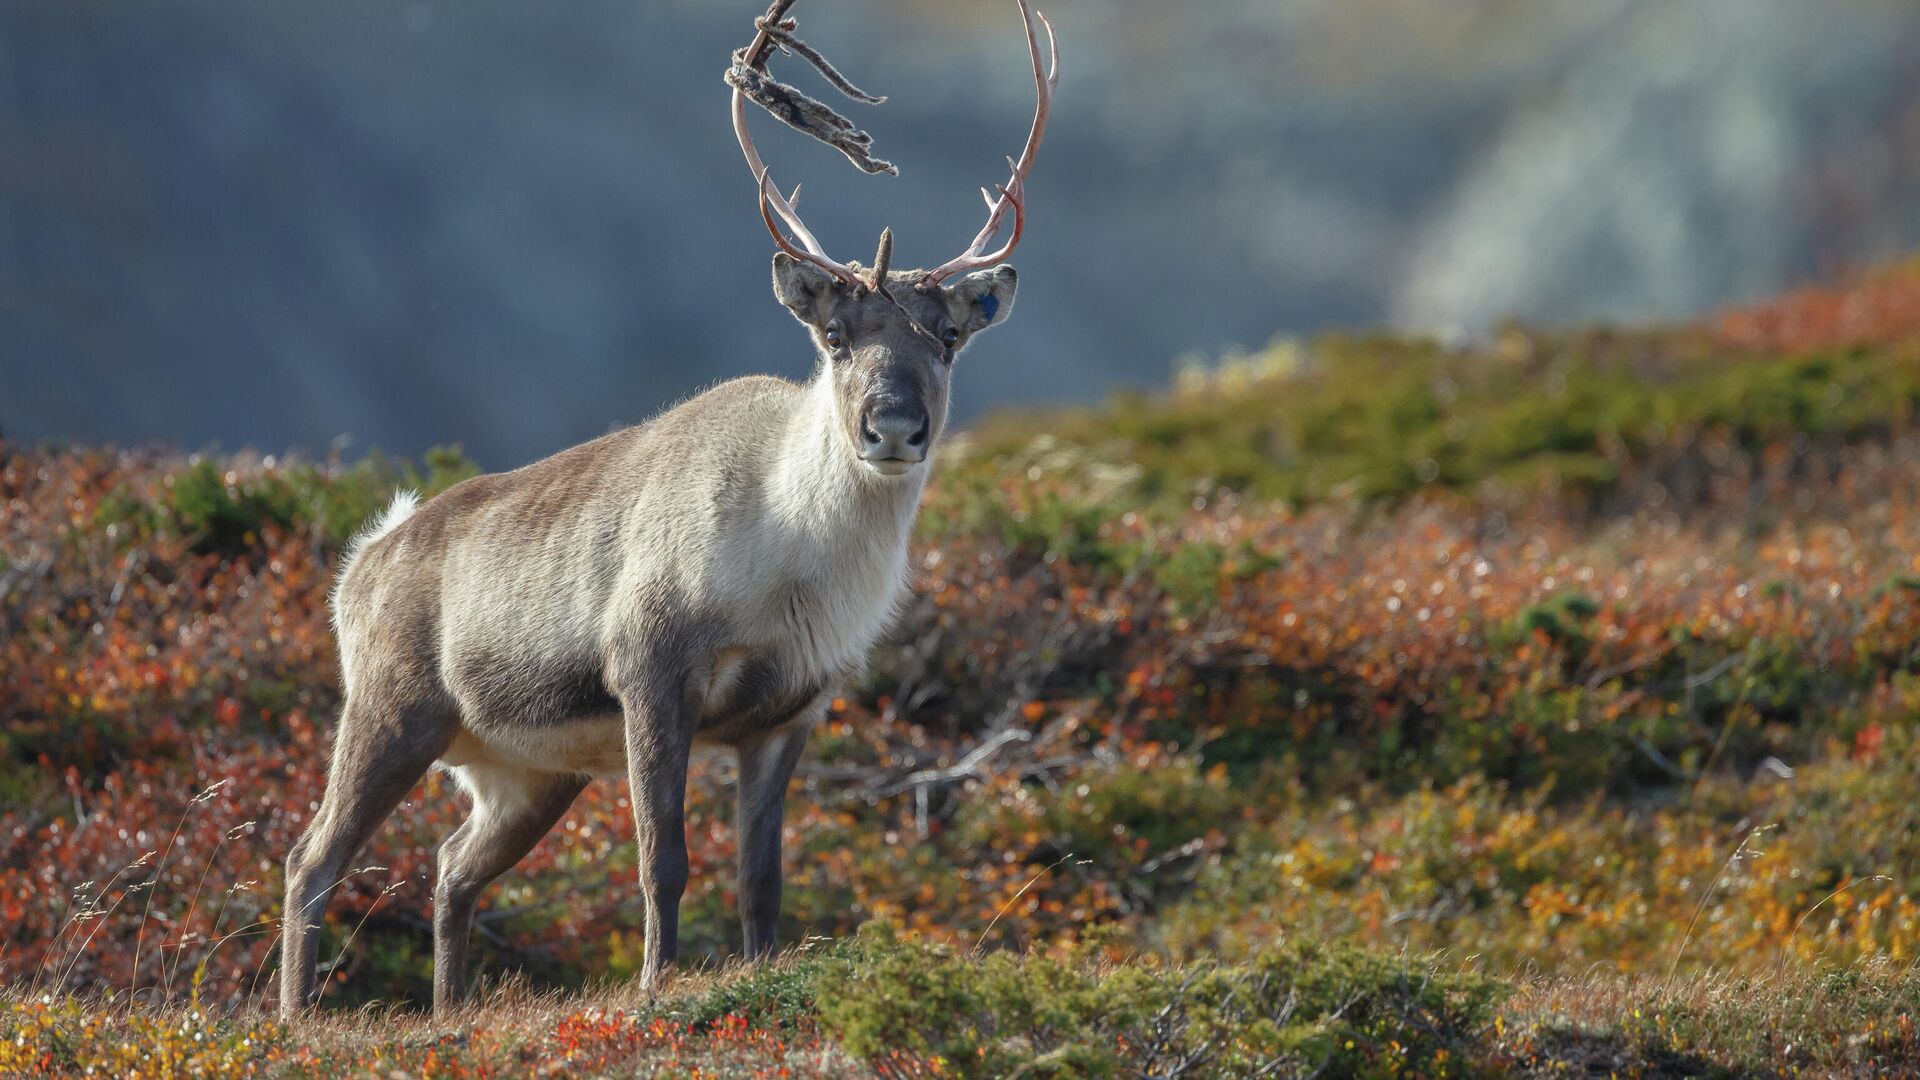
(1881, 307)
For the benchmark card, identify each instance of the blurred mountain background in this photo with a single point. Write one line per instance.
(512, 227)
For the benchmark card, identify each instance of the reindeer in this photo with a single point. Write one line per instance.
(710, 576)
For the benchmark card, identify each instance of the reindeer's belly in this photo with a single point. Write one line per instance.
(560, 721)
(593, 746)
(551, 710)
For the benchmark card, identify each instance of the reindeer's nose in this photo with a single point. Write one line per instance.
(896, 435)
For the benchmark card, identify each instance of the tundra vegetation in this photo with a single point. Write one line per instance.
(1360, 707)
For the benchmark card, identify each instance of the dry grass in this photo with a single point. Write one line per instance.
(1854, 1021)
(610, 1028)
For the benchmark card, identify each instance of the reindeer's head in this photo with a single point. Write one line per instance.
(886, 338)
(889, 351)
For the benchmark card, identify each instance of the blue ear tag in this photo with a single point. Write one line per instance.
(989, 304)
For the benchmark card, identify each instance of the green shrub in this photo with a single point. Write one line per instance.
(1379, 417)
(342, 501)
(219, 510)
(1898, 585)
(1286, 1010)
(1562, 619)
(783, 993)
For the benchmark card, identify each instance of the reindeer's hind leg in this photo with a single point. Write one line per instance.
(378, 755)
(512, 809)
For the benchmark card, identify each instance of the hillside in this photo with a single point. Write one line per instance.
(1364, 705)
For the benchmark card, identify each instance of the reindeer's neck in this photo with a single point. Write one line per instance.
(822, 489)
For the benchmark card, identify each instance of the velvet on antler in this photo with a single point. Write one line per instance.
(750, 80)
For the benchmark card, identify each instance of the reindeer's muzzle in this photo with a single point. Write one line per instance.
(893, 439)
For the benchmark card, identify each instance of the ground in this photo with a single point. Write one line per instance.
(1364, 705)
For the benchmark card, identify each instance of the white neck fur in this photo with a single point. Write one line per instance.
(821, 487)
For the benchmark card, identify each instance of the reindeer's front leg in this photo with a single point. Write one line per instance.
(766, 764)
(660, 723)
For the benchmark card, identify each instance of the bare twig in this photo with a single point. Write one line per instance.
(1706, 896)
(347, 945)
(966, 768)
(1786, 947)
(1015, 898)
(94, 911)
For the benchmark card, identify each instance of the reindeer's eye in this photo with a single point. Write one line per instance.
(951, 336)
(835, 339)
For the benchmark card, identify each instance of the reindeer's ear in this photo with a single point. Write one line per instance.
(982, 298)
(807, 291)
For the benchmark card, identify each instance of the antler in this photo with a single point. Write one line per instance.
(1013, 193)
(749, 79)
(748, 64)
